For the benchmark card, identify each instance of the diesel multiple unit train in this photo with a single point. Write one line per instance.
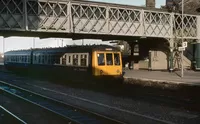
(78, 63)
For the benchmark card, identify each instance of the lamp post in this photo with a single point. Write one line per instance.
(182, 73)
(3, 45)
(62, 42)
(33, 42)
(82, 42)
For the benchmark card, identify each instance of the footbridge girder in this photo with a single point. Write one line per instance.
(65, 18)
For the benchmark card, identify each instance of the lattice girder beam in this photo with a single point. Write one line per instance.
(84, 17)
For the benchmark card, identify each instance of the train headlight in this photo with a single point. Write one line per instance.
(101, 72)
(118, 71)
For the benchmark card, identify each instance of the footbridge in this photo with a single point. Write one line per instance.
(96, 20)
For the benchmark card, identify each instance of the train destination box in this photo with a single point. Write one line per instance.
(181, 48)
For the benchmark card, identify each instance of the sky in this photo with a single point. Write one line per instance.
(132, 2)
(14, 43)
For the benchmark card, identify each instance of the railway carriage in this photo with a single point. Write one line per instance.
(15, 60)
(77, 63)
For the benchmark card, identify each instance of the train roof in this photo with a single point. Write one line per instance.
(18, 52)
(77, 48)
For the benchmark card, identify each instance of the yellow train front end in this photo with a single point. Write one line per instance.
(107, 64)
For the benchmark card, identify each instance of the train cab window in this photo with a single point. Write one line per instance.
(83, 60)
(75, 60)
(116, 59)
(109, 59)
(101, 59)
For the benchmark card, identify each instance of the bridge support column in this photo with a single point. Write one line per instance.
(134, 53)
(197, 55)
(171, 57)
(198, 28)
(197, 47)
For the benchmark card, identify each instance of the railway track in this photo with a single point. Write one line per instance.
(8, 117)
(133, 114)
(71, 113)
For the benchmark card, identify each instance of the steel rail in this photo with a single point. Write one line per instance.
(104, 105)
(72, 113)
(13, 115)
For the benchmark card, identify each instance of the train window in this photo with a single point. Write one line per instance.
(35, 58)
(39, 59)
(22, 58)
(18, 59)
(101, 59)
(109, 59)
(83, 60)
(57, 59)
(75, 60)
(25, 59)
(63, 60)
(49, 60)
(43, 59)
(69, 59)
(116, 59)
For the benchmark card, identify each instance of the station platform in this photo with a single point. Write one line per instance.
(162, 78)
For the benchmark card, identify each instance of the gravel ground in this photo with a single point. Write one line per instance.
(130, 110)
(28, 112)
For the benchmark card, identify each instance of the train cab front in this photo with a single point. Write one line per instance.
(107, 65)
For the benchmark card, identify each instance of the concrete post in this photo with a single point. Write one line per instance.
(150, 60)
(131, 59)
(197, 46)
(198, 27)
(171, 59)
(197, 56)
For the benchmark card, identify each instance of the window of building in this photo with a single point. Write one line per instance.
(101, 59)
(109, 59)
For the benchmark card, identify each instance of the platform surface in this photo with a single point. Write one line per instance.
(190, 77)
